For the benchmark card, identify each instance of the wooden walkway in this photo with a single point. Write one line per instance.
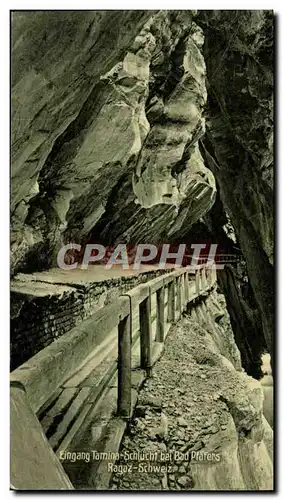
(61, 390)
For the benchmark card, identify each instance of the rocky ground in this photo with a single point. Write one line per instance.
(196, 401)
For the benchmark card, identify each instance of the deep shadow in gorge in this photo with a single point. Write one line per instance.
(239, 148)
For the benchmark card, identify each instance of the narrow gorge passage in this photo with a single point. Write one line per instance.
(142, 143)
(197, 418)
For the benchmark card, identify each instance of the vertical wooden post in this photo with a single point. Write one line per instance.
(203, 279)
(124, 367)
(186, 277)
(197, 281)
(160, 314)
(179, 297)
(146, 335)
(183, 298)
(171, 301)
(213, 274)
(209, 275)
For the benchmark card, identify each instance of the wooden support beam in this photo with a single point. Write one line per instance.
(182, 292)
(160, 315)
(146, 335)
(99, 478)
(184, 301)
(171, 301)
(124, 367)
(209, 276)
(179, 297)
(203, 278)
(186, 278)
(214, 274)
(197, 281)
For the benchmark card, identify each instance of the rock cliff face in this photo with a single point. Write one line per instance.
(96, 123)
(239, 142)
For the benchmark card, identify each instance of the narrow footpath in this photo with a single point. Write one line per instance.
(191, 415)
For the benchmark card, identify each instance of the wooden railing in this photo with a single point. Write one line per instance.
(34, 382)
(179, 296)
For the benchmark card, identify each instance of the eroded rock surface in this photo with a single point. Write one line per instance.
(239, 142)
(92, 117)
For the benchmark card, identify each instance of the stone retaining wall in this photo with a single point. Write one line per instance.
(41, 316)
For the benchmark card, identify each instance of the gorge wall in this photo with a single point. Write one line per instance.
(105, 135)
(148, 126)
(239, 140)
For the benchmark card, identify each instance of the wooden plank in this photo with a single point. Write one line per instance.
(69, 417)
(124, 367)
(104, 370)
(49, 403)
(103, 382)
(73, 432)
(160, 314)
(96, 420)
(146, 335)
(115, 432)
(156, 284)
(100, 474)
(171, 276)
(138, 294)
(107, 348)
(153, 316)
(171, 302)
(214, 275)
(192, 289)
(58, 408)
(34, 466)
(45, 372)
(203, 278)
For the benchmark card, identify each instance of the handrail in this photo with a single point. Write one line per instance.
(47, 370)
(42, 374)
